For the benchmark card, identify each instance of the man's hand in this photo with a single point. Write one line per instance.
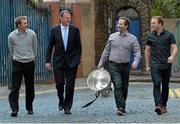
(170, 59)
(134, 66)
(148, 68)
(99, 66)
(48, 66)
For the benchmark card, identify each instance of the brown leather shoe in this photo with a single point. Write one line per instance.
(163, 109)
(158, 110)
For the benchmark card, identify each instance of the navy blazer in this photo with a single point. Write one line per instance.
(71, 57)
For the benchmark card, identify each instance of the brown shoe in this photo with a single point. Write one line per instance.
(158, 110)
(163, 109)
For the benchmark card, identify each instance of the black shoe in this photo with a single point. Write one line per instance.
(14, 114)
(60, 107)
(67, 112)
(120, 111)
(30, 112)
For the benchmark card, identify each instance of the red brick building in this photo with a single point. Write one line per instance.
(96, 19)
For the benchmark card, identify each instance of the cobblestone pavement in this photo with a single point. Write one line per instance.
(140, 107)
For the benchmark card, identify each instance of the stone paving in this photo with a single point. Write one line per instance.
(140, 107)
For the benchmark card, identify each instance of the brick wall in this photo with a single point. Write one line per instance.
(55, 13)
(55, 19)
(77, 22)
(100, 29)
(104, 8)
(100, 10)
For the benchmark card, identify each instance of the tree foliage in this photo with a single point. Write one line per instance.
(166, 8)
(36, 2)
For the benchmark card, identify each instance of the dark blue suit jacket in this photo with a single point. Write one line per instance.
(71, 57)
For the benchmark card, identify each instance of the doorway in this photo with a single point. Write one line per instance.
(134, 27)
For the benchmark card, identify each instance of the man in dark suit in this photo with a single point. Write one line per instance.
(65, 39)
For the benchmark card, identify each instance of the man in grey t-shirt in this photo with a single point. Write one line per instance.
(117, 52)
(22, 44)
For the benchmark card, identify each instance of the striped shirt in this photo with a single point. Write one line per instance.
(118, 49)
(22, 45)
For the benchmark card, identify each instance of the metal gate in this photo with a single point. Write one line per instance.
(38, 20)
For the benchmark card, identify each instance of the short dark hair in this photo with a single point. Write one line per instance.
(64, 11)
(126, 20)
(18, 20)
(159, 19)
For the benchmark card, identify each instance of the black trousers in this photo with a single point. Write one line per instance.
(18, 71)
(65, 80)
(161, 79)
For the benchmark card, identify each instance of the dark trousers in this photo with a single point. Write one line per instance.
(18, 71)
(120, 78)
(160, 80)
(65, 79)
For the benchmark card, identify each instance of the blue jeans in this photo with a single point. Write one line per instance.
(120, 78)
(160, 80)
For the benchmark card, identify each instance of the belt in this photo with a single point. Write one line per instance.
(127, 63)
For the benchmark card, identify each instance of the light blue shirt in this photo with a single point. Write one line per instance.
(65, 41)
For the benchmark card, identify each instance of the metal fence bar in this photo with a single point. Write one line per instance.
(4, 31)
(39, 21)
